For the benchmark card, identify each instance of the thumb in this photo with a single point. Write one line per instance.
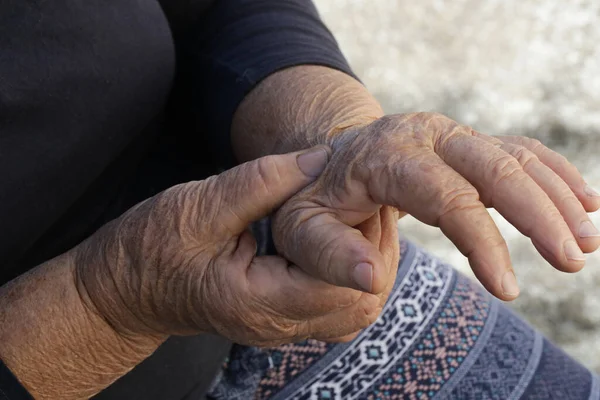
(254, 189)
(328, 249)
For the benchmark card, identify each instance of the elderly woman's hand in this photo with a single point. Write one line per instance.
(444, 174)
(183, 262)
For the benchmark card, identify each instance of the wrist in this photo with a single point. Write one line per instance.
(323, 132)
(348, 124)
(300, 107)
(131, 333)
(55, 344)
(104, 274)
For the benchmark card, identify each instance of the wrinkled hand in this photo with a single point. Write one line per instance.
(183, 262)
(444, 174)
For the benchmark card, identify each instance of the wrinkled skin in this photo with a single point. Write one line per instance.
(444, 174)
(183, 263)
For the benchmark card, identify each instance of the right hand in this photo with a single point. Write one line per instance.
(183, 262)
(444, 174)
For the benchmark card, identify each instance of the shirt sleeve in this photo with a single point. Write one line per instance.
(10, 387)
(238, 43)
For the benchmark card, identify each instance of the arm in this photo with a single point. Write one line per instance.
(57, 345)
(239, 47)
(180, 263)
(298, 107)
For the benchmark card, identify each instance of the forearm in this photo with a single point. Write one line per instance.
(297, 108)
(55, 344)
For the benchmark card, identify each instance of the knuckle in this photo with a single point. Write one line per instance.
(422, 116)
(524, 156)
(268, 327)
(282, 221)
(557, 160)
(366, 314)
(503, 168)
(428, 115)
(547, 213)
(288, 331)
(361, 320)
(325, 255)
(568, 199)
(268, 173)
(533, 144)
(493, 242)
(372, 317)
(459, 199)
(433, 121)
(344, 298)
(288, 216)
(292, 228)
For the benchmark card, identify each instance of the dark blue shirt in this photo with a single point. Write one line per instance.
(106, 102)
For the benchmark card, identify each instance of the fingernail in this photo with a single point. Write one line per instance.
(587, 229)
(590, 191)
(363, 276)
(313, 162)
(509, 284)
(573, 252)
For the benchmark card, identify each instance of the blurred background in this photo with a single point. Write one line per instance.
(523, 67)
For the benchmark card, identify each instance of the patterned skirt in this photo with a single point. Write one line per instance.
(440, 336)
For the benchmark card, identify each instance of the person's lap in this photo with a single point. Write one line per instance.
(440, 336)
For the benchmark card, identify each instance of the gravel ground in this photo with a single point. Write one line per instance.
(525, 67)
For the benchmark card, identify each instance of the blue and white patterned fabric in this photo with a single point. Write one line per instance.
(440, 336)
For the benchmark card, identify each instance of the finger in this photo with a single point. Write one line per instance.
(427, 188)
(288, 292)
(371, 229)
(382, 230)
(586, 234)
(253, 190)
(390, 242)
(326, 248)
(343, 323)
(315, 308)
(562, 167)
(504, 185)
(389, 247)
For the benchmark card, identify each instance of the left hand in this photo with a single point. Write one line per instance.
(445, 175)
(183, 263)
